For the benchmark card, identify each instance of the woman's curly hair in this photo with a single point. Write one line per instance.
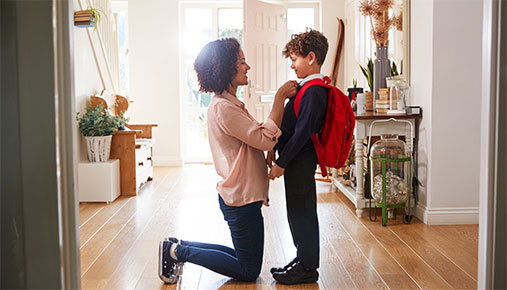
(303, 43)
(216, 65)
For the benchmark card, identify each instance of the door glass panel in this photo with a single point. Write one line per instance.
(200, 26)
(230, 23)
(198, 30)
(197, 146)
(298, 19)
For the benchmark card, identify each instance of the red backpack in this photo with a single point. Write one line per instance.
(333, 142)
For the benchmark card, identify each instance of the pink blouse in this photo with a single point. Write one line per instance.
(237, 142)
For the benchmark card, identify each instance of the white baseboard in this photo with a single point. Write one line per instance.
(167, 161)
(447, 215)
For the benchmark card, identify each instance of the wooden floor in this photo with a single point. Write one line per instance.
(119, 241)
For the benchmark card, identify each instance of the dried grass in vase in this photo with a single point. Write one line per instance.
(378, 12)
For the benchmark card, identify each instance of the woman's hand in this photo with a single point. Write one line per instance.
(270, 159)
(287, 90)
(276, 171)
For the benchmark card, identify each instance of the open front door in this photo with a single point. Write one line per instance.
(265, 33)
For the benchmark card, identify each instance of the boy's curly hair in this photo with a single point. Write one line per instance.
(216, 65)
(303, 43)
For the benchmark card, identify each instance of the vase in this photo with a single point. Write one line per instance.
(381, 70)
(98, 147)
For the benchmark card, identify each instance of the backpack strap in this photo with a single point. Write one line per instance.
(299, 95)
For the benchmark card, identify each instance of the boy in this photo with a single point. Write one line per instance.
(297, 158)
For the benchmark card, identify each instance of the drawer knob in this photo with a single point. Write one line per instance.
(140, 164)
(149, 158)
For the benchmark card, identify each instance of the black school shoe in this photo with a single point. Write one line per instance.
(297, 275)
(284, 268)
(169, 269)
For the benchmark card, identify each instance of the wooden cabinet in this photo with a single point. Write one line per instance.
(134, 148)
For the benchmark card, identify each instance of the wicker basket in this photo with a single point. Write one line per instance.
(99, 148)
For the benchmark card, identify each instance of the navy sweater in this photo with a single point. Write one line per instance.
(296, 132)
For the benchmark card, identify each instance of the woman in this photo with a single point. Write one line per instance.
(237, 143)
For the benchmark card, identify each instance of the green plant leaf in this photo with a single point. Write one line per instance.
(368, 73)
(97, 14)
(98, 122)
(394, 69)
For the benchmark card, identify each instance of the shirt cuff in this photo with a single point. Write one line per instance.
(271, 130)
(280, 163)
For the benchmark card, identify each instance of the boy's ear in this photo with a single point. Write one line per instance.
(312, 58)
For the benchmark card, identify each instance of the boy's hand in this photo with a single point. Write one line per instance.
(276, 171)
(270, 159)
(287, 90)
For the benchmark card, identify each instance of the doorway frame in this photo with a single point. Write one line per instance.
(67, 157)
(492, 108)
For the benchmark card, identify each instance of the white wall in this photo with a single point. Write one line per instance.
(450, 132)
(154, 74)
(330, 9)
(86, 77)
(421, 66)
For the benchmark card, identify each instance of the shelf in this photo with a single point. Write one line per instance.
(349, 192)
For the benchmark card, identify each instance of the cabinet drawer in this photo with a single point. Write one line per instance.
(143, 156)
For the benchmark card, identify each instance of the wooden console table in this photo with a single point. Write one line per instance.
(363, 122)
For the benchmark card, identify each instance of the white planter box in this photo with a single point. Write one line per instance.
(99, 181)
(98, 147)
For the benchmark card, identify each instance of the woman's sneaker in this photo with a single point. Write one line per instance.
(172, 239)
(169, 269)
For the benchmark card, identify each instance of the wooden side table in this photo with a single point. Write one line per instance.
(363, 122)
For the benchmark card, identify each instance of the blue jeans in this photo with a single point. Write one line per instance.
(247, 232)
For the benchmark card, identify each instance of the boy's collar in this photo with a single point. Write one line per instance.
(311, 77)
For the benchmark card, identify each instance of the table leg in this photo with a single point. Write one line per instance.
(334, 175)
(359, 176)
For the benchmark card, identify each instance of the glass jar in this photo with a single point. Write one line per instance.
(399, 93)
(390, 166)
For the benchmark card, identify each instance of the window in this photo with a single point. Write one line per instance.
(299, 18)
(120, 10)
(200, 24)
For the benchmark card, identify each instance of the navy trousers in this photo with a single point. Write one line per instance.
(247, 232)
(301, 199)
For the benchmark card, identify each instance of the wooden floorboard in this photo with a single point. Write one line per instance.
(390, 271)
(87, 211)
(457, 242)
(119, 241)
(435, 259)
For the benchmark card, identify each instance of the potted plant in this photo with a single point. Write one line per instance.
(368, 74)
(97, 126)
(90, 17)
